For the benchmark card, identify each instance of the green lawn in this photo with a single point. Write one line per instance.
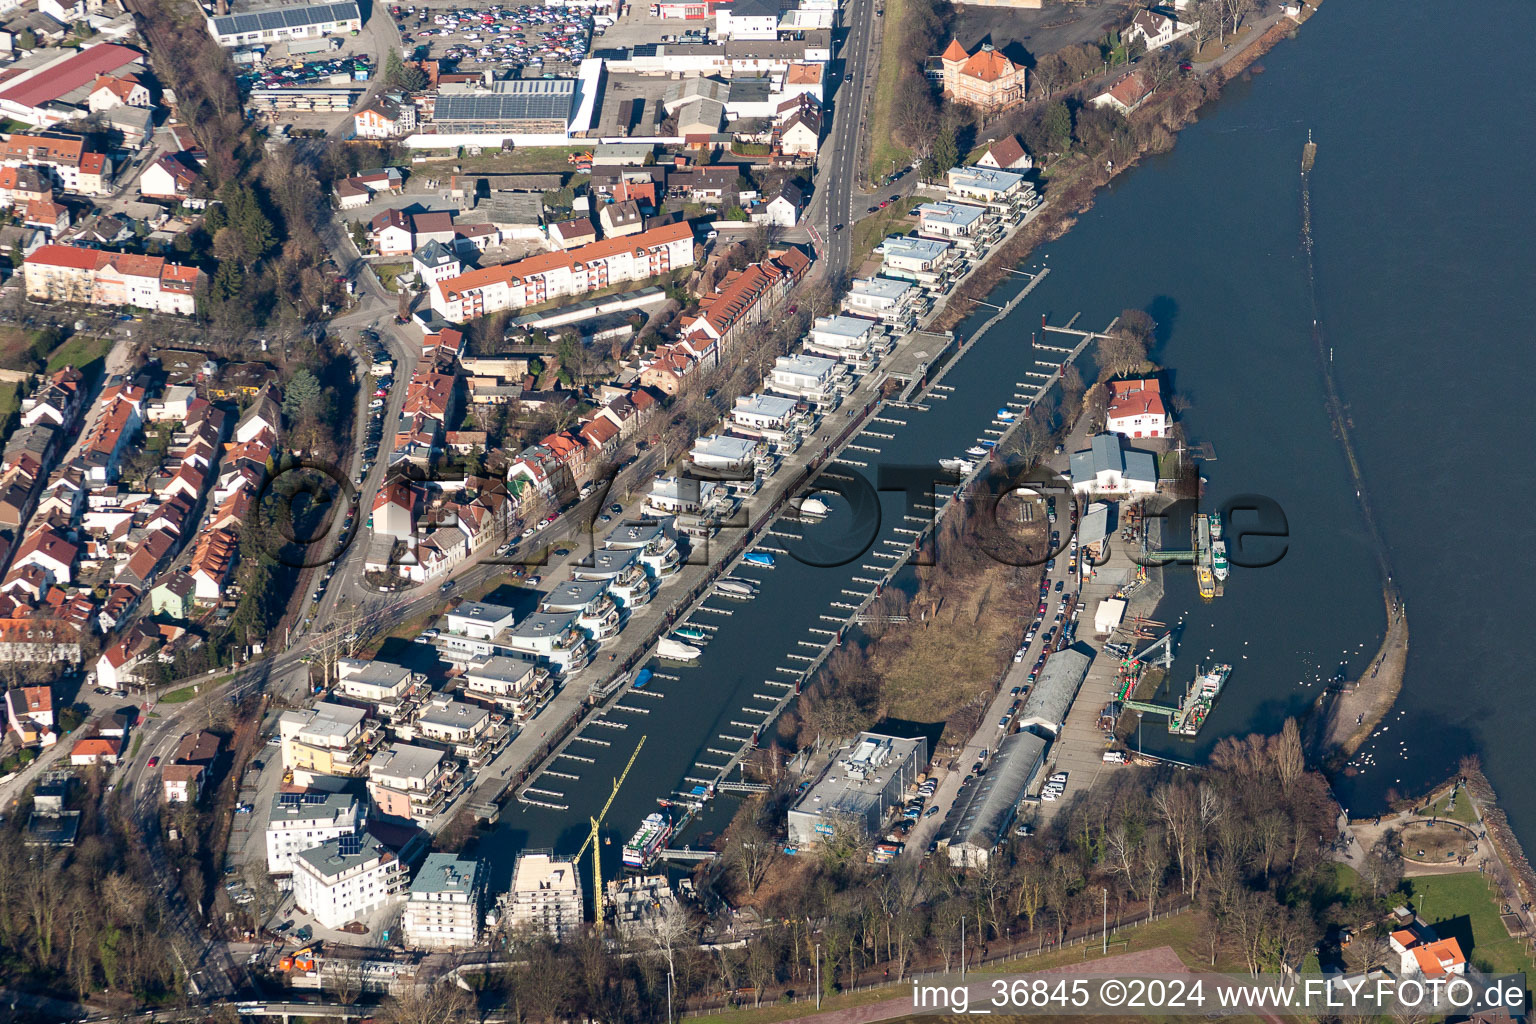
(1462, 811)
(10, 402)
(80, 351)
(389, 274)
(1181, 932)
(180, 696)
(528, 160)
(884, 150)
(873, 229)
(1462, 905)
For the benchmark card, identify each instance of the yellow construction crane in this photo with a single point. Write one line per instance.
(597, 855)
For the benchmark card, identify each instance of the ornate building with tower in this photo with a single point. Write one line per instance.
(985, 79)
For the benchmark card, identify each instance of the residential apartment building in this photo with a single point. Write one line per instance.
(961, 223)
(574, 272)
(892, 302)
(411, 782)
(443, 909)
(390, 688)
(744, 299)
(303, 821)
(659, 553)
(1005, 194)
(328, 739)
(773, 417)
(823, 382)
(928, 262)
(64, 158)
(855, 340)
(66, 273)
(347, 878)
(517, 684)
(545, 896)
(555, 639)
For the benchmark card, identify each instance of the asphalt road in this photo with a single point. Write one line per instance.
(837, 166)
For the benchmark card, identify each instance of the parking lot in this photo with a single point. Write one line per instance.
(496, 36)
(308, 70)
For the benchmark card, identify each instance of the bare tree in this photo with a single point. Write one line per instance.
(752, 852)
(443, 1003)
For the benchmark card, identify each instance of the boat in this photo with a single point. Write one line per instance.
(976, 451)
(1007, 415)
(641, 678)
(1205, 578)
(1199, 700)
(732, 587)
(676, 650)
(762, 558)
(1219, 567)
(812, 508)
(1215, 526)
(957, 465)
(986, 444)
(648, 841)
(691, 632)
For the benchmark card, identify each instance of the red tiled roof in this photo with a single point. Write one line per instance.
(1007, 151)
(97, 746)
(1130, 397)
(989, 66)
(954, 52)
(545, 262)
(69, 75)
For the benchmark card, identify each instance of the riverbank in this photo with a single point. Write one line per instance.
(1072, 182)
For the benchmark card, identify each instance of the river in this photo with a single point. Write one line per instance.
(1422, 252)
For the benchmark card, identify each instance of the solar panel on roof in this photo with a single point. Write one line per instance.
(539, 100)
(350, 846)
(288, 799)
(297, 16)
(313, 798)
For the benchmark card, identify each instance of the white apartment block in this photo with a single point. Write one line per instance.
(443, 909)
(894, 303)
(347, 878)
(66, 273)
(302, 821)
(577, 271)
(545, 896)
